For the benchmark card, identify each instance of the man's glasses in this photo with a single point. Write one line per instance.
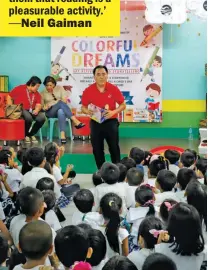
(54, 97)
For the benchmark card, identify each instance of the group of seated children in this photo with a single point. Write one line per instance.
(149, 212)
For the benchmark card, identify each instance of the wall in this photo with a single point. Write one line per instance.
(184, 81)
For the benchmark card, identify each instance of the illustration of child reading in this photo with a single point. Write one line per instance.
(153, 91)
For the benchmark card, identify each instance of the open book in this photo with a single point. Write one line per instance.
(98, 113)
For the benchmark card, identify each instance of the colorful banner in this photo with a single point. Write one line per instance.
(134, 61)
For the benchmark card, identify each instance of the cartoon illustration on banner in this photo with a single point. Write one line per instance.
(134, 62)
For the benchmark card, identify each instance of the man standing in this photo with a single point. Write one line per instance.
(104, 95)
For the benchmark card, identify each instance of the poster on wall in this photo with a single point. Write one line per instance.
(134, 62)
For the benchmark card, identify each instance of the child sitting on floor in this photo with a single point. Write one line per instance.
(158, 261)
(35, 243)
(138, 156)
(128, 162)
(117, 237)
(123, 173)
(134, 179)
(14, 177)
(164, 210)
(155, 166)
(147, 239)
(84, 201)
(72, 246)
(144, 207)
(52, 156)
(173, 157)
(165, 183)
(184, 176)
(110, 175)
(119, 263)
(187, 160)
(201, 166)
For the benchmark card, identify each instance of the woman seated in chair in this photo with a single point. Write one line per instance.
(54, 99)
(27, 95)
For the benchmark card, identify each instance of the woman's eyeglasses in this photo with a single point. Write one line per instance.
(54, 97)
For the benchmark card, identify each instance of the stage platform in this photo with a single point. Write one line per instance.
(80, 154)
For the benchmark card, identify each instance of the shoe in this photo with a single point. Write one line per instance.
(34, 140)
(63, 141)
(81, 125)
(27, 140)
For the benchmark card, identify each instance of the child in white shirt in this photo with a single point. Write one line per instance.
(186, 245)
(201, 166)
(36, 159)
(52, 154)
(184, 176)
(157, 164)
(147, 157)
(134, 178)
(36, 243)
(146, 240)
(49, 215)
(84, 201)
(98, 244)
(164, 210)
(187, 160)
(97, 180)
(117, 237)
(123, 172)
(173, 157)
(110, 175)
(144, 197)
(138, 156)
(165, 183)
(14, 177)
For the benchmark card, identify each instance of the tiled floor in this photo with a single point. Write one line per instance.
(85, 181)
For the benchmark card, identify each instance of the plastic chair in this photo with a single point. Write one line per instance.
(51, 122)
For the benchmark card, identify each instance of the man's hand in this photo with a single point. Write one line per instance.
(35, 112)
(109, 114)
(90, 113)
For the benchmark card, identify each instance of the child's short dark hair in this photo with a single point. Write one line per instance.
(165, 210)
(123, 172)
(166, 179)
(157, 165)
(172, 156)
(119, 263)
(97, 179)
(35, 156)
(157, 261)
(145, 197)
(110, 173)
(128, 162)
(148, 224)
(45, 183)
(71, 245)
(4, 248)
(29, 200)
(201, 165)
(187, 159)
(197, 196)
(49, 199)
(4, 156)
(137, 154)
(33, 81)
(84, 200)
(147, 157)
(184, 176)
(35, 239)
(193, 152)
(98, 244)
(135, 177)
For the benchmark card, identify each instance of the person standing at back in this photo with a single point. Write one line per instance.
(106, 96)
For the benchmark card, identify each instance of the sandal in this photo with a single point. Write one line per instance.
(81, 125)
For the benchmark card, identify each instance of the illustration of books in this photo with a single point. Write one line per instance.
(98, 113)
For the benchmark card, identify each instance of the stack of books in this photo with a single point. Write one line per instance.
(4, 83)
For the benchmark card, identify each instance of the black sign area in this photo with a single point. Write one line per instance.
(166, 10)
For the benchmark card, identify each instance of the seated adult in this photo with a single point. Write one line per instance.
(54, 99)
(27, 95)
